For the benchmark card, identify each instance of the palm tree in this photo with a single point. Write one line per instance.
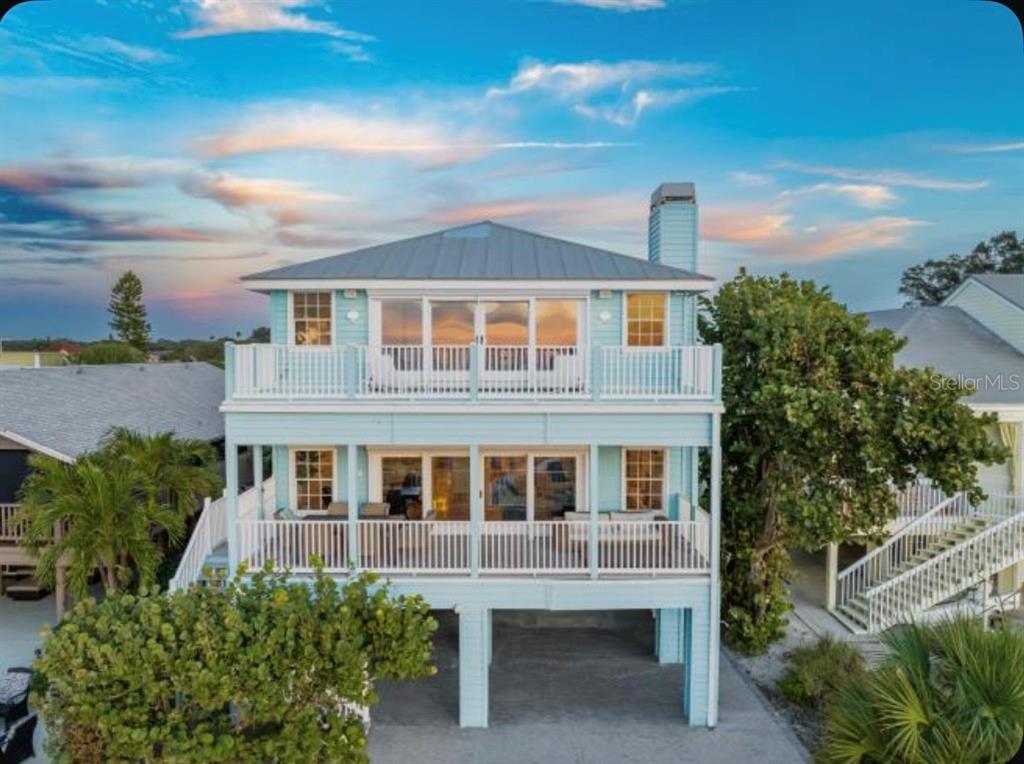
(175, 472)
(953, 692)
(114, 507)
(90, 517)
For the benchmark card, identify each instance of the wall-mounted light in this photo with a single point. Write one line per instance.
(605, 316)
(352, 315)
(349, 294)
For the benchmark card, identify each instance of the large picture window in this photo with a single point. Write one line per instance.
(314, 478)
(645, 479)
(311, 313)
(646, 319)
(401, 322)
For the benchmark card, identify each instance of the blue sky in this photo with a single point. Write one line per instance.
(195, 141)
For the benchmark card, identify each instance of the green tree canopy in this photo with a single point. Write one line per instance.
(128, 312)
(260, 671)
(110, 352)
(930, 282)
(818, 423)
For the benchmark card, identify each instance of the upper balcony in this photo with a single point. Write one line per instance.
(474, 372)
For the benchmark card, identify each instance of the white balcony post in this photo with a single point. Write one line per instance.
(231, 488)
(229, 370)
(592, 499)
(353, 505)
(257, 479)
(476, 509)
(831, 575)
(716, 587)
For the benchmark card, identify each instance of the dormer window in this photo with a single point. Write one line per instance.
(646, 319)
(312, 317)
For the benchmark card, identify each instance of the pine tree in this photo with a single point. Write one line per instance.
(128, 313)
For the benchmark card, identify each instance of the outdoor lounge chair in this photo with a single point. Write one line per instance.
(14, 695)
(16, 744)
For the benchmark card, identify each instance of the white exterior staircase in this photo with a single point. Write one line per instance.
(937, 555)
(211, 532)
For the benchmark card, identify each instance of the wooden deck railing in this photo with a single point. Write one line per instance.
(414, 547)
(10, 531)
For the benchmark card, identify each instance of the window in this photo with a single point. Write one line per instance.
(556, 322)
(645, 479)
(554, 486)
(401, 322)
(645, 319)
(311, 312)
(314, 479)
(402, 484)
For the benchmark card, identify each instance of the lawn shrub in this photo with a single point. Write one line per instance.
(815, 672)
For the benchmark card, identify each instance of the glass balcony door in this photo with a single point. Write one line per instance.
(453, 328)
(530, 486)
(449, 484)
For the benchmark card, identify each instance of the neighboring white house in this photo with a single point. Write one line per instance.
(943, 547)
(976, 336)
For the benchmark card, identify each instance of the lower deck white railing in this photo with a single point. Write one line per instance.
(9, 529)
(453, 548)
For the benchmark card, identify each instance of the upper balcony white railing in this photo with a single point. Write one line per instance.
(473, 372)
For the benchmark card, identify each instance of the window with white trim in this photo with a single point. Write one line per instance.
(645, 478)
(314, 478)
(646, 314)
(311, 316)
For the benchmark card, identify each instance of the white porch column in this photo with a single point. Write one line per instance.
(592, 500)
(474, 673)
(831, 575)
(257, 479)
(714, 606)
(231, 491)
(476, 510)
(352, 482)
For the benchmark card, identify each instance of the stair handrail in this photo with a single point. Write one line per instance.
(1006, 536)
(856, 578)
(211, 530)
(200, 544)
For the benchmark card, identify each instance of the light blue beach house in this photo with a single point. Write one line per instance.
(496, 420)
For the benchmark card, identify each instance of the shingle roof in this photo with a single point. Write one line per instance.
(1008, 285)
(69, 409)
(951, 342)
(480, 251)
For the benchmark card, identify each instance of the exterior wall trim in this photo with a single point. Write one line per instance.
(426, 407)
(429, 286)
(970, 280)
(31, 445)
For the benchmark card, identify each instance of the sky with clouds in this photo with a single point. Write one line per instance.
(194, 141)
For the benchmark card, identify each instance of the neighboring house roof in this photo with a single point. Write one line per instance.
(951, 342)
(481, 251)
(1007, 285)
(67, 411)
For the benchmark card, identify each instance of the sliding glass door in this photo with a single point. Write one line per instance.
(449, 487)
(530, 486)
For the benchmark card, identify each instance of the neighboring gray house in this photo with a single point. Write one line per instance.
(66, 411)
